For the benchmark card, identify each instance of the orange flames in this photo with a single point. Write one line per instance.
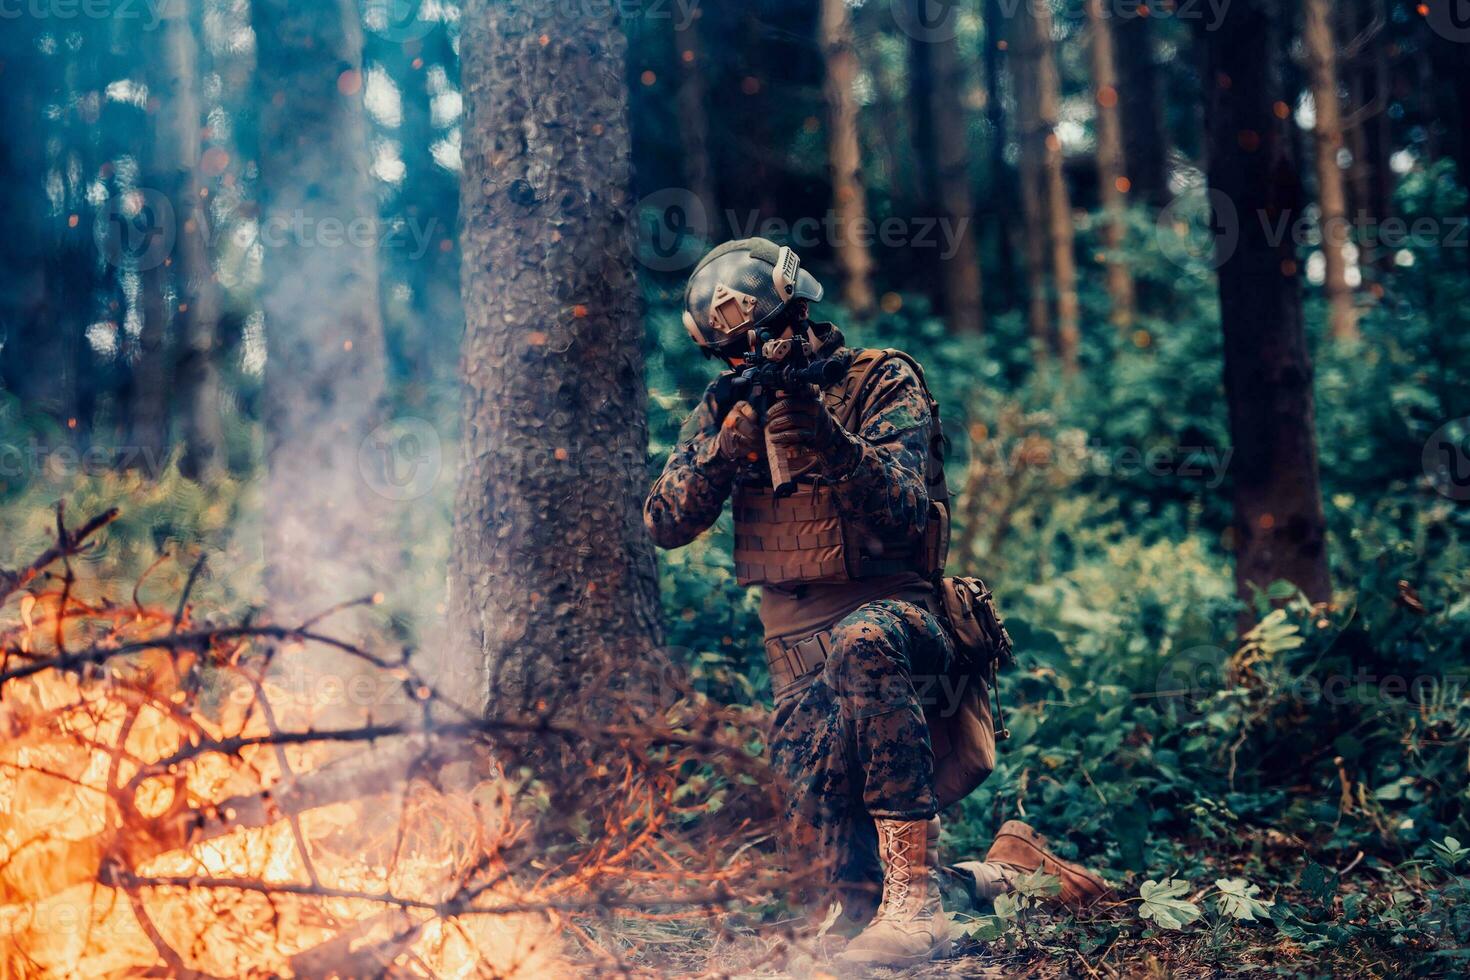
(153, 825)
(172, 805)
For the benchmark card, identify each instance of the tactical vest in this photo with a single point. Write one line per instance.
(802, 538)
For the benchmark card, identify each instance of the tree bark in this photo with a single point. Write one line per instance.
(1113, 189)
(1279, 529)
(325, 374)
(1141, 104)
(1321, 48)
(552, 577)
(1044, 87)
(940, 138)
(844, 153)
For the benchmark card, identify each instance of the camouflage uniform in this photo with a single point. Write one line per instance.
(851, 740)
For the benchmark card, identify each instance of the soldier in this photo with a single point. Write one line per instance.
(846, 565)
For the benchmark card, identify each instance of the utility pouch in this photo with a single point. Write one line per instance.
(963, 730)
(980, 639)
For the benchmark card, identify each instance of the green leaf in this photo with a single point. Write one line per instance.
(1319, 883)
(1164, 903)
(1005, 906)
(1038, 884)
(1238, 900)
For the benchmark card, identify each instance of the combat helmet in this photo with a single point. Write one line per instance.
(742, 286)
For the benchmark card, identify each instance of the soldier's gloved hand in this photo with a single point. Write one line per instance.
(740, 438)
(803, 422)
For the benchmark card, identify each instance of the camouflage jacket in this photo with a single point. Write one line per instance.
(878, 475)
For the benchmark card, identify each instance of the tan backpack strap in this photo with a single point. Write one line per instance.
(846, 399)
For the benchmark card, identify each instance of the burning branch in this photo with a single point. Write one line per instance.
(163, 784)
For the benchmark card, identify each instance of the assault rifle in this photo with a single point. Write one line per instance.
(773, 368)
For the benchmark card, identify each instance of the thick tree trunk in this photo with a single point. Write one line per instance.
(1113, 189)
(1044, 87)
(1321, 48)
(552, 578)
(325, 373)
(693, 106)
(844, 154)
(940, 146)
(1279, 526)
(1140, 100)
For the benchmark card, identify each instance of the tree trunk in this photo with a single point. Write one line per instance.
(175, 81)
(942, 150)
(325, 371)
(1002, 182)
(694, 116)
(1279, 527)
(1111, 178)
(1031, 139)
(844, 153)
(1141, 104)
(1045, 89)
(552, 578)
(1321, 48)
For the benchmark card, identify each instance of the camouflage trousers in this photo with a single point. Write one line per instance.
(853, 744)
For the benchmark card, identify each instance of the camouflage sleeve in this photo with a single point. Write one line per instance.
(687, 498)
(880, 479)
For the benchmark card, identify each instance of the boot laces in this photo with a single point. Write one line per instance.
(898, 878)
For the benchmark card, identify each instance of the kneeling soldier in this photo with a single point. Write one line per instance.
(832, 458)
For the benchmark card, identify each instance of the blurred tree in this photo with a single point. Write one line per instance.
(1002, 180)
(1141, 104)
(1112, 181)
(1321, 51)
(844, 151)
(1279, 529)
(693, 107)
(552, 577)
(1368, 126)
(189, 299)
(325, 371)
(1047, 205)
(941, 147)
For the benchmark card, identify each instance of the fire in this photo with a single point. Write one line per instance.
(173, 804)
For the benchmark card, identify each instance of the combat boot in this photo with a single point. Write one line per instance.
(1019, 850)
(910, 925)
